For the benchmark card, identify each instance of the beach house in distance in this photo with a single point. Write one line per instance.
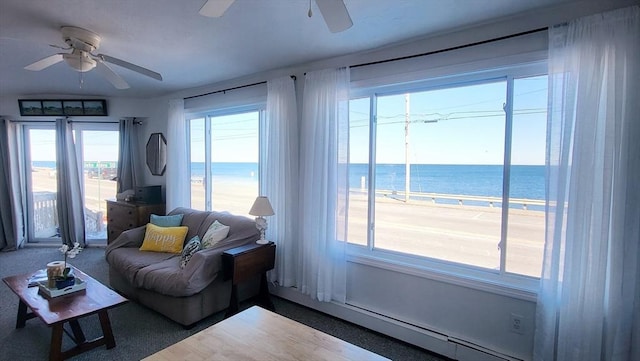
(219, 66)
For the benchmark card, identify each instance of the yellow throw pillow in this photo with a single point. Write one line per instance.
(164, 239)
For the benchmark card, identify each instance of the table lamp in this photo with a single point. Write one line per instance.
(261, 207)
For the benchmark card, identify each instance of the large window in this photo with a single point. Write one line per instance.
(452, 173)
(224, 160)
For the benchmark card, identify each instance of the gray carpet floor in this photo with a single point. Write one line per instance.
(140, 332)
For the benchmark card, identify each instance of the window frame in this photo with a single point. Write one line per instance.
(497, 281)
(78, 130)
(207, 115)
(27, 160)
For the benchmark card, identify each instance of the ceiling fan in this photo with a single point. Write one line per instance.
(334, 12)
(82, 43)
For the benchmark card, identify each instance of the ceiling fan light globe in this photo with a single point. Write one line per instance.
(79, 62)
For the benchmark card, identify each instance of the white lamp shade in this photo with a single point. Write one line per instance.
(261, 207)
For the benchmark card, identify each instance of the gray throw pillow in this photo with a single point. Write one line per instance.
(189, 250)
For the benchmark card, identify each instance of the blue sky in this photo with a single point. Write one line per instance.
(98, 145)
(464, 125)
(235, 138)
(469, 128)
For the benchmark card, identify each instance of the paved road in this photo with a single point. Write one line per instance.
(466, 234)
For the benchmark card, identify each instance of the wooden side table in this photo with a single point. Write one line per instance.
(245, 262)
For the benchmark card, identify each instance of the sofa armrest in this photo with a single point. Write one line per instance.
(204, 265)
(129, 238)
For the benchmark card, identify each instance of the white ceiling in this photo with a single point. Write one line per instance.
(190, 50)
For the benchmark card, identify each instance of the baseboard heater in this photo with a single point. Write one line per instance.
(419, 336)
(469, 351)
(463, 351)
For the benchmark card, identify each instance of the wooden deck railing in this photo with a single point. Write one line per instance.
(45, 216)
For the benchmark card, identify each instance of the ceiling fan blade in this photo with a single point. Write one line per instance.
(60, 47)
(125, 64)
(335, 14)
(111, 75)
(215, 8)
(44, 63)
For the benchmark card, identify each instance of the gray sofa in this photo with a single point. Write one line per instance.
(156, 280)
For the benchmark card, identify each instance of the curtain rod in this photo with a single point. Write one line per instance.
(390, 60)
(451, 48)
(53, 121)
(229, 89)
(225, 90)
(137, 122)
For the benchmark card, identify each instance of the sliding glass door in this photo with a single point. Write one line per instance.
(97, 153)
(40, 155)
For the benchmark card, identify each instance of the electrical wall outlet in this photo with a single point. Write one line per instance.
(516, 324)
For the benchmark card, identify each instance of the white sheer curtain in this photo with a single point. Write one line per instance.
(280, 176)
(178, 183)
(69, 199)
(588, 306)
(324, 189)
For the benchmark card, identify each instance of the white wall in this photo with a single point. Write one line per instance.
(458, 320)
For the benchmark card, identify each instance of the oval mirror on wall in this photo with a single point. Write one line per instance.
(157, 153)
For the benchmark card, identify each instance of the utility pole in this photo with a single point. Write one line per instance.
(407, 161)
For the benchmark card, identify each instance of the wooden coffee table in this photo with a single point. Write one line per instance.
(55, 312)
(258, 334)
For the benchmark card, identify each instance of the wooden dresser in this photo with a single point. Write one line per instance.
(122, 216)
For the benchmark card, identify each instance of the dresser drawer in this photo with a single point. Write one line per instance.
(117, 212)
(122, 216)
(113, 232)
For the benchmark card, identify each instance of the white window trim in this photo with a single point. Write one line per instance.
(207, 115)
(508, 284)
(511, 285)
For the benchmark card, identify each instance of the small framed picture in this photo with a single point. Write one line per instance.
(72, 107)
(94, 107)
(30, 107)
(52, 107)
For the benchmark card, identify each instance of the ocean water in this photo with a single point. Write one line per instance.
(527, 181)
(239, 171)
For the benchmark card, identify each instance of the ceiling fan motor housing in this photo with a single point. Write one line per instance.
(83, 42)
(81, 39)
